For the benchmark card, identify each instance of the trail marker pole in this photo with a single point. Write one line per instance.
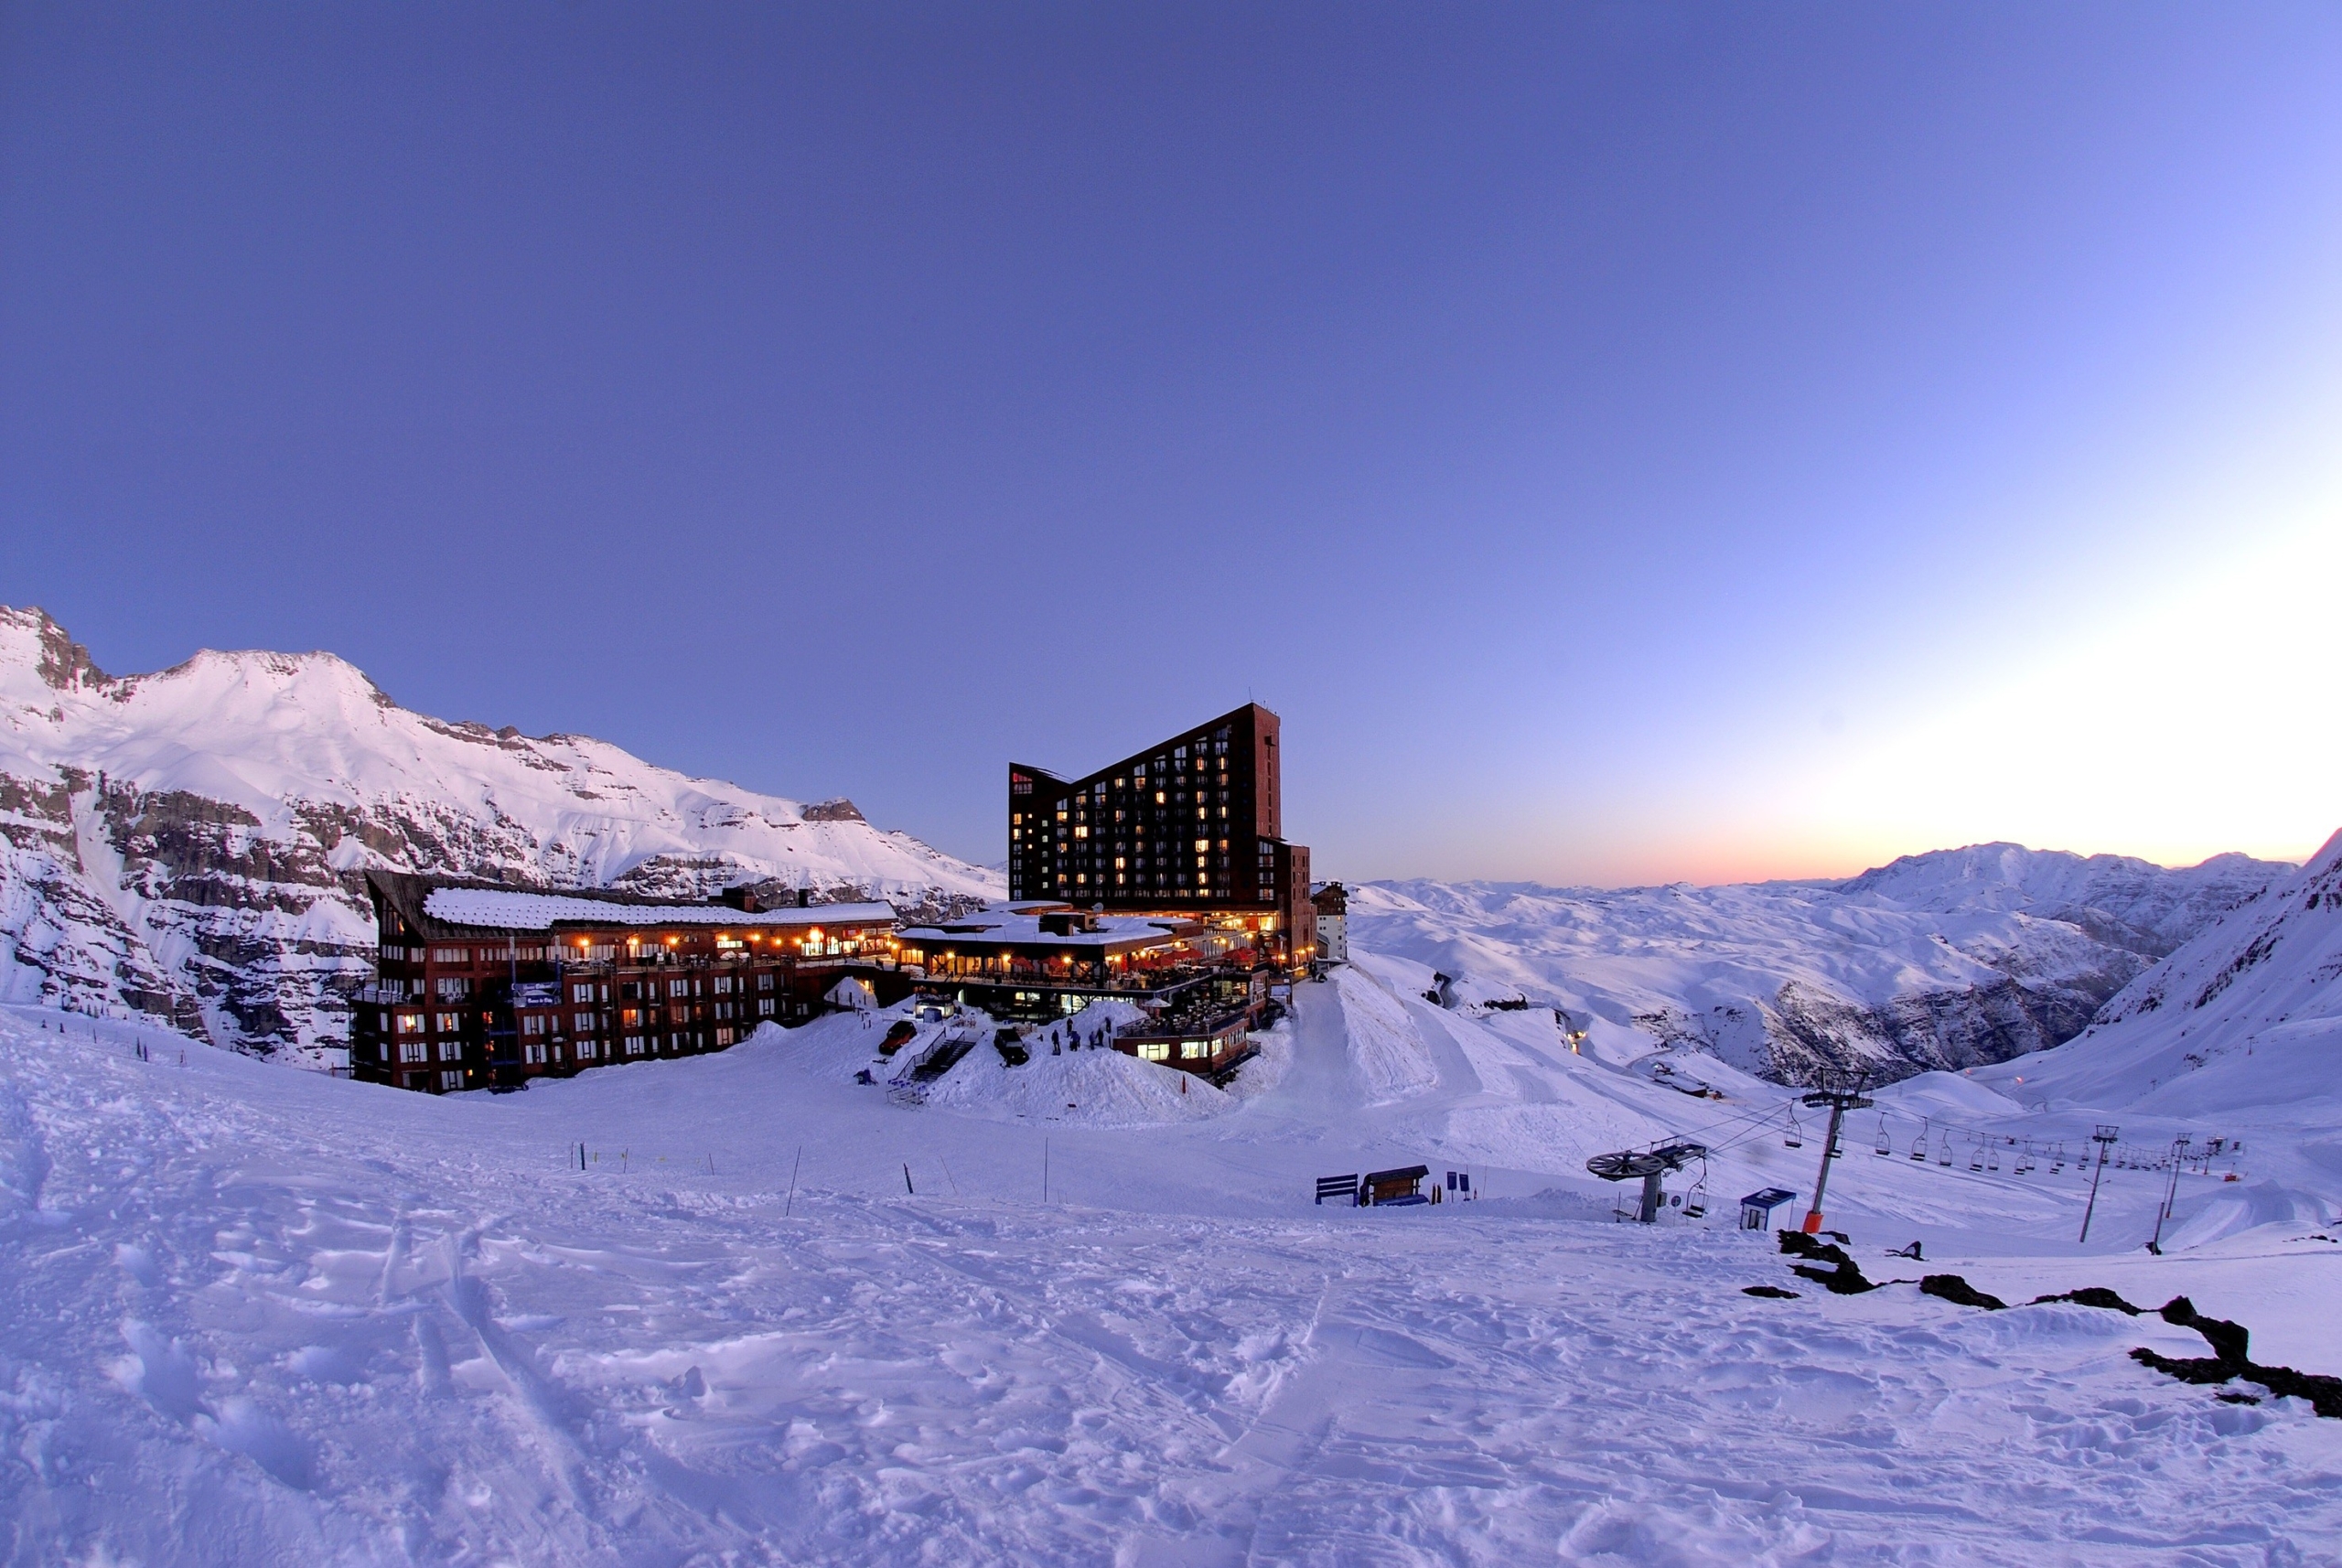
(906, 1180)
(2104, 1137)
(792, 1182)
(1840, 1102)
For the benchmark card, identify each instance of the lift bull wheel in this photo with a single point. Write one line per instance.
(1651, 1165)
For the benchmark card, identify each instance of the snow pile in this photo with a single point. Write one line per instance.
(1386, 1052)
(1095, 1087)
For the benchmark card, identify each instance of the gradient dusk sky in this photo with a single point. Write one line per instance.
(1624, 442)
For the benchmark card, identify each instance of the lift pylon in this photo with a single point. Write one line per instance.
(1840, 1094)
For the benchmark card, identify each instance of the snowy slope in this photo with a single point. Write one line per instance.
(2247, 1016)
(187, 845)
(1945, 959)
(260, 1317)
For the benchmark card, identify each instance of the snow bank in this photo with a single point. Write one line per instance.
(1386, 1051)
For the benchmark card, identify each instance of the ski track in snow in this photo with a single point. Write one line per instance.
(266, 1316)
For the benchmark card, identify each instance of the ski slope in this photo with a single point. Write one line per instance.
(1067, 1312)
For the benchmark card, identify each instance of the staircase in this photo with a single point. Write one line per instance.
(909, 1087)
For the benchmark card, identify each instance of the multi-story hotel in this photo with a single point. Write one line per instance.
(1192, 826)
(479, 985)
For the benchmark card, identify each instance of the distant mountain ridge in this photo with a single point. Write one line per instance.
(189, 844)
(2247, 1013)
(1950, 959)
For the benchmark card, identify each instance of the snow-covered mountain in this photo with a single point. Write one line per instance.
(2248, 1015)
(189, 845)
(1945, 960)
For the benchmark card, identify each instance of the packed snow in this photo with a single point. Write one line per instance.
(746, 1308)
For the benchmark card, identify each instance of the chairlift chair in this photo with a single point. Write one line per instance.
(1919, 1144)
(1943, 1149)
(1993, 1157)
(1792, 1138)
(1976, 1157)
(1884, 1146)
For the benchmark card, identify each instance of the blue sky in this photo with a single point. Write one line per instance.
(1624, 442)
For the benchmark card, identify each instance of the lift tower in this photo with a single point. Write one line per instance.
(1841, 1093)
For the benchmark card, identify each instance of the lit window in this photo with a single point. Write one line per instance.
(448, 1023)
(1154, 1050)
(413, 1051)
(1194, 1051)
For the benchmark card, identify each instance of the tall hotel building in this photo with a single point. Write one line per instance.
(1193, 825)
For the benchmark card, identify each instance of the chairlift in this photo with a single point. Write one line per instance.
(1993, 1157)
(1976, 1157)
(1695, 1201)
(1919, 1144)
(2024, 1160)
(1793, 1140)
(2057, 1159)
(1943, 1149)
(1884, 1146)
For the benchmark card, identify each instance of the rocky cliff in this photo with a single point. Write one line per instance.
(188, 845)
(1949, 959)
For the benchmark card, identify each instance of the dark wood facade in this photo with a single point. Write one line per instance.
(456, 1006)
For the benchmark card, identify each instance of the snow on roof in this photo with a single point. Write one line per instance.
(1015, 926)
(498, 910)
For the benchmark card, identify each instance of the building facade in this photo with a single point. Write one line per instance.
(479, 985)
(1198, 984)
(1333, 904)
(1193, 825)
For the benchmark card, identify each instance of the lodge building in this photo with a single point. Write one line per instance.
(1162, 881)
(1199, 984)
(1193, 825)
(481, 985)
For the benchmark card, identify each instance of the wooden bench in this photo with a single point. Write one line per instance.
(1344, 1187)
(1402, 1184)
